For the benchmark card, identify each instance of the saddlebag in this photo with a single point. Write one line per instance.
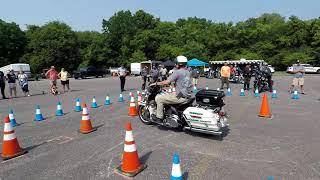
(212, 98)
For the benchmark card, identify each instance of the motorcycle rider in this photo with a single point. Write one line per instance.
(182, 78)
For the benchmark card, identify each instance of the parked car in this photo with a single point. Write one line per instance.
(308, 68)
(89, 72)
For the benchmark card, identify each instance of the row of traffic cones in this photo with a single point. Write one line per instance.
(130, 165)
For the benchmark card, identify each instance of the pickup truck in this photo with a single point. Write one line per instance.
(309, 69)
(90, 71)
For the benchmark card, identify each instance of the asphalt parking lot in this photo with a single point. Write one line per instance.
(286, 146)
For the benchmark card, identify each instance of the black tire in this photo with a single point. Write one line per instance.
(318, 71)
(142, 115)
(76, 77)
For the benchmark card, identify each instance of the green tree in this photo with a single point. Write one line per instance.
(12, 43)
(52, 44)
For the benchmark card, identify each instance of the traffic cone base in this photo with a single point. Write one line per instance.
(87, 132)
(119, 171)
(22, 152)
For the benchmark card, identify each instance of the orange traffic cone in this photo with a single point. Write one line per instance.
(131, 165)
(10, 144)
(132, 107)
(85, 124)
(265, 110)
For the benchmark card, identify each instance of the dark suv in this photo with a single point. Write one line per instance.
(90, 71)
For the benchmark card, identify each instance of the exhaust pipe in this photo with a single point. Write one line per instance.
(202, 131)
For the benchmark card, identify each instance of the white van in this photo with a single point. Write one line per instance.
(135, 69)
(16, 68)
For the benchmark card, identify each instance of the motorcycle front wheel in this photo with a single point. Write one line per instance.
(144, 115)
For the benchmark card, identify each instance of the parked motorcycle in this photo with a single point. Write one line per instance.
(261, 82)
(205, 116)
(237, 77)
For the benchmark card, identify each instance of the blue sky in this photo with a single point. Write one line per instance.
(88, 14)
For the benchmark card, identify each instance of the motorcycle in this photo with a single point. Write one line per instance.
(261, 82)
(205, 116)
(237, 77)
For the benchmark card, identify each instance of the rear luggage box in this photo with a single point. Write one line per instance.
(212, 98)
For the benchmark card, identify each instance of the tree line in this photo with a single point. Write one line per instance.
(133, 37)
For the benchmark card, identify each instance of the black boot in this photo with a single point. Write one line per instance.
(156, 119)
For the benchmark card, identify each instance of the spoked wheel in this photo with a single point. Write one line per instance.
(144, 115)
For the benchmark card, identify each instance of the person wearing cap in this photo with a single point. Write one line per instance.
(52, 75)
(122, 75)
(182, 78)
(12, 83)
(298, 80)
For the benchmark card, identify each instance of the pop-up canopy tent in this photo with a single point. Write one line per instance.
(196, 63)
(168, 63)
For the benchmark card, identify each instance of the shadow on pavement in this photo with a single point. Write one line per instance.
(185, 175)
(34, 146)
(145, 157)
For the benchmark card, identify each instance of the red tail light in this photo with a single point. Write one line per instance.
(221, 113)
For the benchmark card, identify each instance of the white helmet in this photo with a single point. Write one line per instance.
(181, 60)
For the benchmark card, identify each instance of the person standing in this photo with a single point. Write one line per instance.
(298, 80)
(12, 83)
(2, 84)
(247, 73)
(23, 82)
(122, 75)
(144, 74)
(52, 75)
(154, 74)
(64, 77)
(225, 75)
(163, 73)
(195, 76)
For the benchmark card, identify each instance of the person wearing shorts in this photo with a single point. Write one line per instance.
(12, 83)
(298, 80)
(52, 75)
(64, 77)
(23, 82)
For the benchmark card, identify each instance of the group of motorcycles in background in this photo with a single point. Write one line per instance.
(262, 79)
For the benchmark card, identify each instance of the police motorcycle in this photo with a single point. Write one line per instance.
(203, 113)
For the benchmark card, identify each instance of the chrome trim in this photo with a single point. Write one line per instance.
(203, 131)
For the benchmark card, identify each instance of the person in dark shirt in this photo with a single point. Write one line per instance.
(12, 83)
(144, 74)
(2, 84)
(247, 73)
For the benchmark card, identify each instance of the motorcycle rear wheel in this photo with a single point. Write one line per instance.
(144, 115)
